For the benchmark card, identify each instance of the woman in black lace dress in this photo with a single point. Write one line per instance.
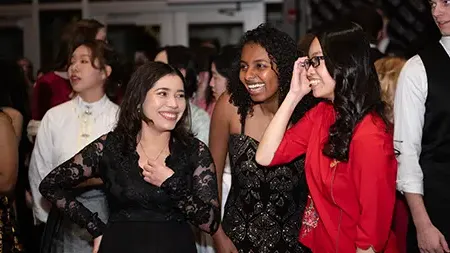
(157, 176)
(264, 207)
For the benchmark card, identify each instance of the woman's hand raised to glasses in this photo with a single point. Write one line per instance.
(299, 82)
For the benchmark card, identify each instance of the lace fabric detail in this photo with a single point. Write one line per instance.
(200, 205)
(189, 195)
(57, 184)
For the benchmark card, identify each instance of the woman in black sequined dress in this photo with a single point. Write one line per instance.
(157, 176)
(264, 207)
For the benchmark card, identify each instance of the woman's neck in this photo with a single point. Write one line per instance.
(92, 95)
(270, 106)
(150, 136)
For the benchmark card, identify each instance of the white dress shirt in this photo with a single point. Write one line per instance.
(409, 111)
(64, 131)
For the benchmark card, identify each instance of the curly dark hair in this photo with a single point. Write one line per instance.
(283, 53)
(357, 92)
(131, 115)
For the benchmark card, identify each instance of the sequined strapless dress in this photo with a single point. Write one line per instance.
(265, 205)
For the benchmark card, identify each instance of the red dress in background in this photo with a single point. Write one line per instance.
(50, 90)
(351, 203)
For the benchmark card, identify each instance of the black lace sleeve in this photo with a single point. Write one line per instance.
(200, 205)
(57, 184)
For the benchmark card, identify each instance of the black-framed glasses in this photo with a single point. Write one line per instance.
(314, 61)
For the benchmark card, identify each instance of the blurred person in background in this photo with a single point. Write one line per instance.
(203, 95)
(14, 91)
(94, 68)
(372, 23)
(221, 68)
(13, 113)
(388, 69)
(53, 87)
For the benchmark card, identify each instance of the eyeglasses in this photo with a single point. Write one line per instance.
(313, 61)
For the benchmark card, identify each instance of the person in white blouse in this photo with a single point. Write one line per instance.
(422, 137)
(68, 128)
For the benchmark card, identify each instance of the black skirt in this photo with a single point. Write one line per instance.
(148, 237)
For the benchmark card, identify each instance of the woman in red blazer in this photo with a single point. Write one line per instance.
(350, 162)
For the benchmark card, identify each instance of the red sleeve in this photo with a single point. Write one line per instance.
(295, 140)
(375, 170)
(41, 100)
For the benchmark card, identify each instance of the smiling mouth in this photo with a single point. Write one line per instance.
(256, 88)
(314, 83)
(169, 115)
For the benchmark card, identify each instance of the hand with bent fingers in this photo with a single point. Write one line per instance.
(156, 172)
(299, 82)
(431, 240)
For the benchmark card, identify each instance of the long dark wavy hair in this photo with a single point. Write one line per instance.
(357, 92)
(283, 53)
(131, 113)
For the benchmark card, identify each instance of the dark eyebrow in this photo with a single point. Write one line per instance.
(83, 55)
(167, 89)
(256, 61)
(261, 60)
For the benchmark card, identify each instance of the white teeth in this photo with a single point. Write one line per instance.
(256, 85)
(169, 115)
(314, 82)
